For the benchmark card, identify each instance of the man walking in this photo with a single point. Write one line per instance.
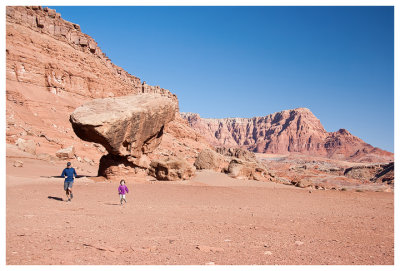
(69, 173)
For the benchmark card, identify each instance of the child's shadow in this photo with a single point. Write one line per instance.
(55, 198)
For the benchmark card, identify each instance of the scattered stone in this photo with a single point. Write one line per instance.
(303, 183)
(18, 163)
(299, 243)
(67, 153)
(142, 162)
(241, 169)
(239, 153)
(209, 159)
(28, 146)
(209, 249)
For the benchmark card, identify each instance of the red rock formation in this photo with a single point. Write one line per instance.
(51, 69)
(289, 131)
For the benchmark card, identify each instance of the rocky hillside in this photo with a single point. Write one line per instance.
(51, 69)
(289, 131)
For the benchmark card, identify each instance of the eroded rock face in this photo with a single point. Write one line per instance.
(289, 131)
(126, 126)
(171, 169)
(52, 68)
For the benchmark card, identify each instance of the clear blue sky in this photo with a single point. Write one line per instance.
(253, 61)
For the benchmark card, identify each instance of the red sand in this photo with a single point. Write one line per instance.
(211, 219)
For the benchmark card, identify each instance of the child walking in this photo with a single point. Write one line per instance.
(121, 191)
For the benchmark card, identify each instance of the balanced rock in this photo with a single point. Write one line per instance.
(126, 126)
(171, 169)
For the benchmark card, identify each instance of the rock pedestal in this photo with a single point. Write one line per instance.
(129, 127)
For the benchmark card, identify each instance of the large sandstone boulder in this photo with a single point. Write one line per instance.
(127, 125)
(241, 169)
(171, 169)
(209, 159)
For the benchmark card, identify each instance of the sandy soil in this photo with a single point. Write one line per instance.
(211, 219)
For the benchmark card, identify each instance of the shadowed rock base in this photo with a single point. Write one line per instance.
(115, 166)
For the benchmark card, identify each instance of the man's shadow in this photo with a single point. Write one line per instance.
(78, 176)
(55, 198)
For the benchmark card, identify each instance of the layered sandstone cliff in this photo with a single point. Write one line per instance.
(51, 69)
(288, 131)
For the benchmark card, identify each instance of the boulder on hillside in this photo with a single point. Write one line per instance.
(241, 169)
(127, 125)
(28, 146)
(209, 159)
(171, 169)
(239, 153)
(66, 153)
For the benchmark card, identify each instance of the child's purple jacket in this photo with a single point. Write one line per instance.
(122, 189)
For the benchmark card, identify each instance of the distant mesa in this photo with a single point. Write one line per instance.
(289, 131)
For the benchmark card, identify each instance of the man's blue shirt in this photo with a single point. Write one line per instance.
(69, 172)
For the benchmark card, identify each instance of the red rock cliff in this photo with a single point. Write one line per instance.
(53, 68)
(297, 130)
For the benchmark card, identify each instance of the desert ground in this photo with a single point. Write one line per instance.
(211, 219)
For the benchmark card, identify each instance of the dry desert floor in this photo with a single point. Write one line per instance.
(210, 219)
